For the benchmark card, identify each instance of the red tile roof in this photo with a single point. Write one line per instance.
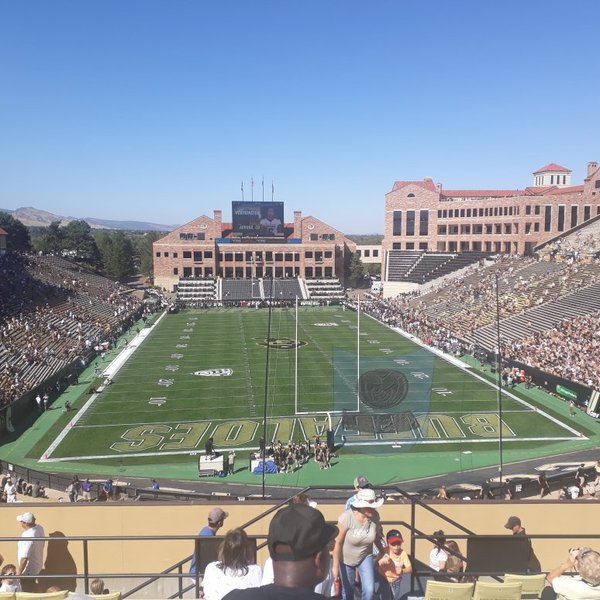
(426, 184)
(480, 193)
(552, 167)
(566, 190)
(2, 232)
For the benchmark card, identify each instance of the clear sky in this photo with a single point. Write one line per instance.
(157, 110)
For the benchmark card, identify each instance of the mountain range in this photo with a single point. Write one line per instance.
(34, 217)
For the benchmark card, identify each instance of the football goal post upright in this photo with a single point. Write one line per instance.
(358, 354)
(296, 361)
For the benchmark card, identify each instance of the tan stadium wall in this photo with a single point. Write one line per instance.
(143, 556)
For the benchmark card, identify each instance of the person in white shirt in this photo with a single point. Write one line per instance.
(30, 551)
(233, 570)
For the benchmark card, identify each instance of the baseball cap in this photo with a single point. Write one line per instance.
(512, 522)
(298, 532)
(216, 515)
(361, 482)
(588, 565)
(394, 536)
(26, 518)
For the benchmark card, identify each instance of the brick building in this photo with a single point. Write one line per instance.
(420, 215)
(205, 247)
(3, 238)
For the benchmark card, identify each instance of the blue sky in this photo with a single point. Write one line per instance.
(157, 110)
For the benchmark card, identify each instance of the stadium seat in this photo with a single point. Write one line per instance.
(441, 590)
(35, 596)
(532, 584)
(111, 596)
(497, 591)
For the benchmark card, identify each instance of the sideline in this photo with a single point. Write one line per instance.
(113, 368)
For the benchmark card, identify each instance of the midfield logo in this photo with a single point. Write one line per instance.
(214, 373)
(280, 343)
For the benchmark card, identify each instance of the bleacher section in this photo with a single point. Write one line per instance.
(234, 290)
(55, 315)
(421, 267)
(323, 290)
(196, 290)
(540, 318)
(282, 289)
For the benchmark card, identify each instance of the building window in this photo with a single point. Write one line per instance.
(410, 222)
(175, 255)
(465, 229)
(158, 255)
(488, 229)
(208, 254)
(537, 210)
(468, 212)
(269, 256)
(175, 271)
(481, 212)
(328, 254)
(442, 229)
(197, 256)
(547, 218)
(411, 195)
(375, 253)
(187, 254)
(528, 209)
(308, 255)
(444, 214)
(367, 253)
(314, 237)
(424, 222)
(328, 236)
(397, 225)
(574, 214)
(561, 218)
(462, 213)
(587, 212)
(187, 271)
(289, 257)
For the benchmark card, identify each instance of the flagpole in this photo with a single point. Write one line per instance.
(242, 188)
(296, 362)
(358, 354)
(272, 190)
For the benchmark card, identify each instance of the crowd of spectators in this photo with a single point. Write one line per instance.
(54, 315)
(570, 350)
(446, 317)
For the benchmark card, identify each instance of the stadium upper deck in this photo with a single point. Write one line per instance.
(207, 247)
(420, 215)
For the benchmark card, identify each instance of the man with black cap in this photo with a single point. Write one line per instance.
(298, 540)
(514, 524)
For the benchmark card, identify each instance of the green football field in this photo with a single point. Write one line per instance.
(201, 374)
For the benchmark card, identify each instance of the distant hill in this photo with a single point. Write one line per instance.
(34, 217)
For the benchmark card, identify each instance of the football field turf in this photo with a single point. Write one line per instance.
(201, 374)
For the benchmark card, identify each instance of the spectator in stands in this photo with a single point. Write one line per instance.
(216, 518)
(97, 587)
(392, 562)
(584, 586)
(10, 490)
(360, 483)
(30, 551)
(298, 539)
(10, 583)
(514, 524)
(359, 529)
(234, 569)
(438, 555)
(442, 494)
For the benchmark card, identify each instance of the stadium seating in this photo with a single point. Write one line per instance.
(532, 585)
(497, 591)
(324, 290)
(440, 590)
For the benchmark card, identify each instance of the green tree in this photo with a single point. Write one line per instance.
(117, 252)
(356, 270)
(18, 239)
(79, 239)
(52, 239)
(144, 252)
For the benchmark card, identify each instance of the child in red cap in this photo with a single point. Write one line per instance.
(392, 562)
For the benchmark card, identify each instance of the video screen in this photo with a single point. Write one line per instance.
(257, 219)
